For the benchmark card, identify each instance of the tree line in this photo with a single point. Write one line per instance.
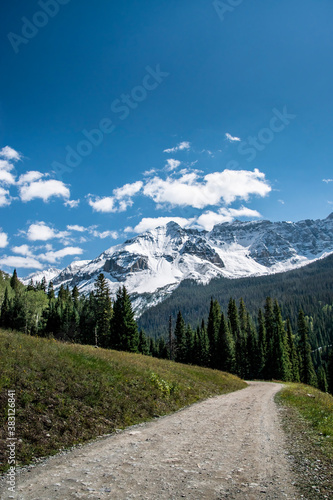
(231, 340)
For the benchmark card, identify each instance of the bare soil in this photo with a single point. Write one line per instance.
(227, 447)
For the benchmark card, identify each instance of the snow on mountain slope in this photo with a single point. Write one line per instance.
(151, 265)
(49, 275)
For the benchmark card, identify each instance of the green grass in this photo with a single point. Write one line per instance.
(315, 408)
(67, 393)
(308, 422)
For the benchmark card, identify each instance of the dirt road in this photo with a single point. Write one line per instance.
(229, 447)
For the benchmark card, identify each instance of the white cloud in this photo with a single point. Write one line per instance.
(327, 180)
(213, 188)
(72, 203)
(54, 256)
(3, 239)
(148, 223)
(5, 198)
(282, 202)
(172, 164)
(230, 138)
(105, 234)
(10, 154)
(44, 190)
(209, 219)
(15, 261)
(41, 232)
(29, 177)
(105, 204)
(23, 250)
(32, 186)
(6, 177)
(75, 227)
(206, 221)
(127, 190)
(180, 147)
(121, 199)
(5, 165)
(149, 172)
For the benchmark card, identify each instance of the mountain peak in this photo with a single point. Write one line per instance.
(152, 264)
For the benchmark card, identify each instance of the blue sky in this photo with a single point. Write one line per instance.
(118, 116)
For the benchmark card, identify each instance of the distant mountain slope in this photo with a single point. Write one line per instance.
(153, 264)
(310, 287)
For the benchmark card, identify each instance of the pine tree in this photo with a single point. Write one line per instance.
(75, 296)
(19, 311)
(234, 325)
(124, 330)
(180, 339)
(50, 291)
(189, 336)
(87, 322)
(294, 366)
(307, 373)
(14, 281)
(269, 327)
(6, 317)
(281, 369)
(103, 310)
(213, 325)
(262, 343)
(143, 346)
(254, 354)
(225, 347)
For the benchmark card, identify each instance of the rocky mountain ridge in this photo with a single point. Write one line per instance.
(152, 264)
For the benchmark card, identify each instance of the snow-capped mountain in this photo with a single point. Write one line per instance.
(48, 274)
(151, 265)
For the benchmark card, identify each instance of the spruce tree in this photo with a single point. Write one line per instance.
(307, 373)
(269, 327)
(143, 346)
(281, 362)
(294, 365)
(6, 317)
(180, 339)
(213, 325)
(103, 310)
(189, 335)
(234, 325)
(124, 330)
(225, 347)
(14, 281)
(262, 343)
(50, 291)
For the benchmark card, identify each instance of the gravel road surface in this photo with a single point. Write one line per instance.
(227, 447)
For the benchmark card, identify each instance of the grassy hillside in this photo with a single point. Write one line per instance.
(308, 422)
(68, 393)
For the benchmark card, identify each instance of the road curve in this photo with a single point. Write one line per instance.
(227, 447)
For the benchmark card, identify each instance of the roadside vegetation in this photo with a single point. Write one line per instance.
(68, 393)
(308, 422)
